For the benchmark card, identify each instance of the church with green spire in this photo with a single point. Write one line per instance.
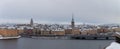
(72, 22)
(31, 22)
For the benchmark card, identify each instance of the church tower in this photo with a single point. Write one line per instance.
(31, 22)
(72, 22)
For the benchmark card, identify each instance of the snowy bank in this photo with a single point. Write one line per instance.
(114, 45)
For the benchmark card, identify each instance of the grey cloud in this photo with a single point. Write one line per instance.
(58, 11)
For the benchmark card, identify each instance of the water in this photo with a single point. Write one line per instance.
(28, 43)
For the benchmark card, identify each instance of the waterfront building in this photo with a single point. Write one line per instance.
(8, 32)
(68, 31)
(72, 31)
(36, 31)
(58, 32)
(111, 30)
(45, 32)
(103, 30)
(76, 31)
(89, 31)
(28, 30)
(20, 31)
(117, 29)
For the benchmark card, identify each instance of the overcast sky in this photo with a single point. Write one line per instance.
(60, 11)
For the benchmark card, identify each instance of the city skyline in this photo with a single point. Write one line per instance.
(60, 11)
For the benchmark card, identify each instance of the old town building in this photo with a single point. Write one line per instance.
(9, 32)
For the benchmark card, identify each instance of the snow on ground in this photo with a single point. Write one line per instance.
(114, 45)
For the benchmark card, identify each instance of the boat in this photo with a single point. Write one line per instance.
(14, 37)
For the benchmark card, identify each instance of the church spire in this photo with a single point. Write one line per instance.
(72, 22)
(31, 22)
(72, 18)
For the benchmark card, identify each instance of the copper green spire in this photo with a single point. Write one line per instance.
(31, 22)
(72, 22)
(72, 18)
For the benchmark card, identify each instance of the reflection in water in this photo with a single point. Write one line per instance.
(28, 43)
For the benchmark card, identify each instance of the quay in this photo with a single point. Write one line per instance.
(78, 37)
(93, 37)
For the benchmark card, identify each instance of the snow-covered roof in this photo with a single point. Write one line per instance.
(114, 27)
(58, 30)
(117, 34)
(11, 27)
(2, 27)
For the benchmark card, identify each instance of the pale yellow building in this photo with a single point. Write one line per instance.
(58, 32)
(89, 32)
